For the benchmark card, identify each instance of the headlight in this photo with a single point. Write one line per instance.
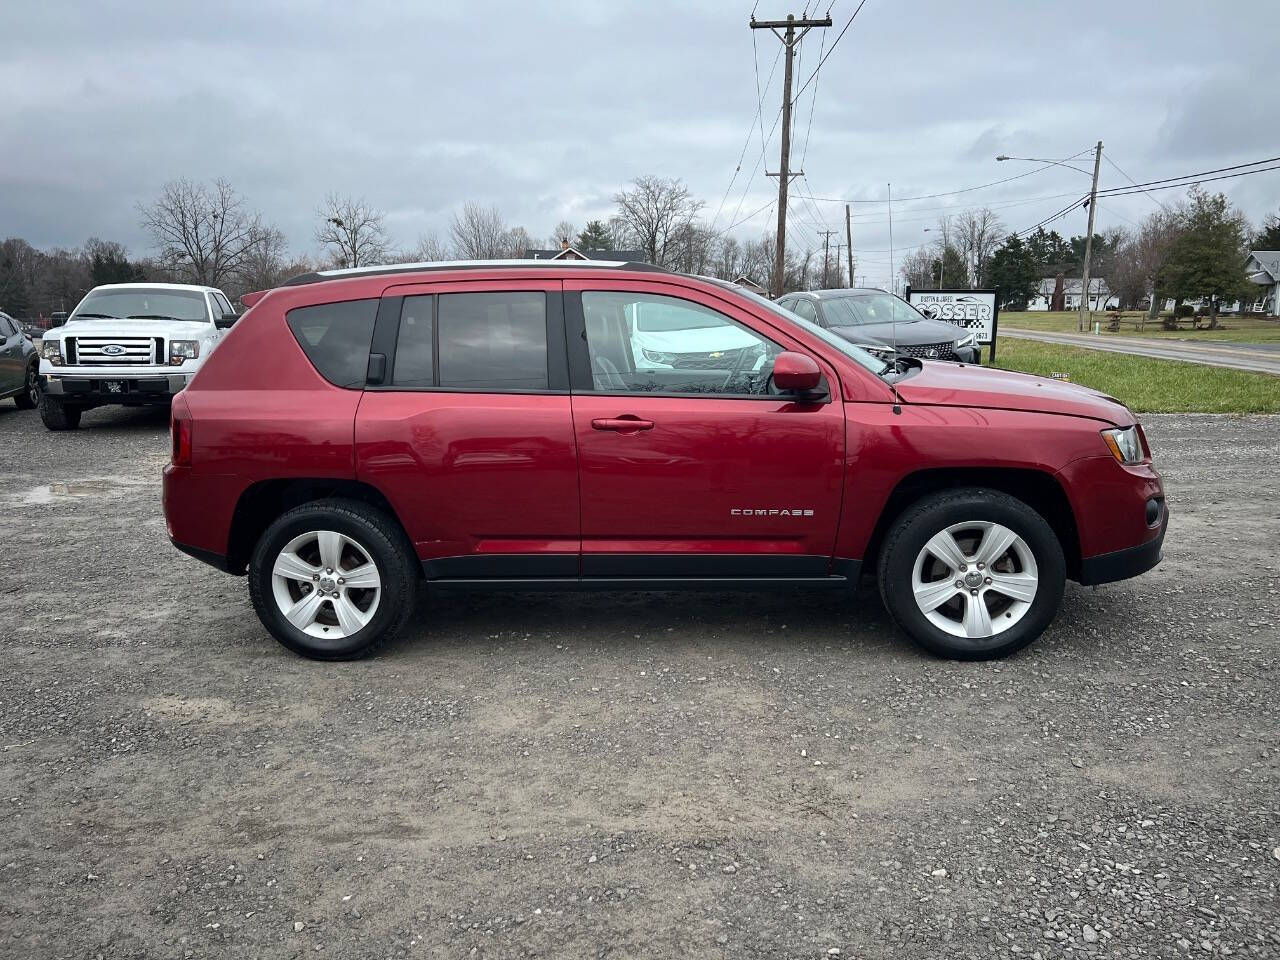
(966, 341)
(51, 350)
(657, 356)
(1125, 444)
(876, 350)
(182, 350)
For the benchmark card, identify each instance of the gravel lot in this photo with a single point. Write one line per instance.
(666, 775)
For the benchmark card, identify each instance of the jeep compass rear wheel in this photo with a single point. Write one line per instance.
(972, 574)
(333, 580)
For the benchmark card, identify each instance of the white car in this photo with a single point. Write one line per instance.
(129, 344)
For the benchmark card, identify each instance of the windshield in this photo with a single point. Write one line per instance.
(139, 303)
(868, 308)
(658, 317)
(856, 354)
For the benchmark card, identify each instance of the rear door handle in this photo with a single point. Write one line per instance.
(627, 423)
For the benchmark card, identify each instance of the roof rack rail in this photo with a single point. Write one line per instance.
(319, 276)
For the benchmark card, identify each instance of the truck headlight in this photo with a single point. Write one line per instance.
(181, 351)
(966, 341)
(1125, 444)
(51, 350)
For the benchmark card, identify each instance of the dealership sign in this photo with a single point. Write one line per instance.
(975, 310)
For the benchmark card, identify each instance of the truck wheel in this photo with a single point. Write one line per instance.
(334, 579)
(972, 574)
(58, 415)
(29, 398)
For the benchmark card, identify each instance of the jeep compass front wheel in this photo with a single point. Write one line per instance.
(333, 580)
(972, 574)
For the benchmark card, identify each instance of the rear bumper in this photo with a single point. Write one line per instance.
(1126, 563)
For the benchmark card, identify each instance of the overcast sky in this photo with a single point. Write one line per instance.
(547, 109)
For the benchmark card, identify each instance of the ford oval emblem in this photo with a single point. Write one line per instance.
(113, 350)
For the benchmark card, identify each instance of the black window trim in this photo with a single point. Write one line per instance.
(386, 334)
(582, 383)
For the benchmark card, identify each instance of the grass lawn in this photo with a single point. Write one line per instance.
(1237, 329)
(1144, 384)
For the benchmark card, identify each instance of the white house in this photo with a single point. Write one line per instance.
(1263, 268)
(1100, 295)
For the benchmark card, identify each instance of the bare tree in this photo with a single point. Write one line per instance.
(351, 232)
(203, 232)
(478, 233)
(728, 259)
(517, 242)
(919, 269)
(430, 248)
(562, 234)
(978, 234)
(267, 265)
(653, 211)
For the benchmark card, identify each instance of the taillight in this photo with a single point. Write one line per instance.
(180, 431)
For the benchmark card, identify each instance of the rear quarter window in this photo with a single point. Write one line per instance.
(336, 337)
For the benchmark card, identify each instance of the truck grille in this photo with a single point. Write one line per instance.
(114, 351)
(929, 351)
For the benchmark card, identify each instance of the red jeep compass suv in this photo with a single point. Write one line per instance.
(606, 425)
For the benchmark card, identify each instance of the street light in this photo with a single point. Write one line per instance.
(1088, 238)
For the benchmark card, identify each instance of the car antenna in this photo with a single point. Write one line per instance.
(893, 318)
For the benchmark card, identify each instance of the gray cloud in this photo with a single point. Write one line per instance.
(547, 110)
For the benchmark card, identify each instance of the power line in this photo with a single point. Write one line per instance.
(1189, 183)
(750, 130)
(832, 50)
(1192, 176)
(1155, 200)
(952, 193)
(1053, 216)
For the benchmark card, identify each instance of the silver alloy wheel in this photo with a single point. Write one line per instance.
(33, 386)
(975, 579)
(326, 584)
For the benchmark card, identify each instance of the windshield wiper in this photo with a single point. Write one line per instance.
(152, 316)
(95, 316)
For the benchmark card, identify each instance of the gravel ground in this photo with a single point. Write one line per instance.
(667, 775)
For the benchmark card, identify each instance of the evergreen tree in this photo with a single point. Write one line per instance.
(1207, 259)
(1013, 270)
(595, 236)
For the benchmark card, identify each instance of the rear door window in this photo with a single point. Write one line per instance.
(335, 337)
(495, 341)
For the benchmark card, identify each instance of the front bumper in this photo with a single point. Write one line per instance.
(104, 386)
(1129, 562)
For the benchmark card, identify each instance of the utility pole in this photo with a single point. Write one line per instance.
(848, 236)
(789, 41)
(1088, 240)
(826, 256)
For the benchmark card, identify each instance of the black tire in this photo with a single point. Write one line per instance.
(387, 547)
(937, 512)
(58, 415)
(29, 398)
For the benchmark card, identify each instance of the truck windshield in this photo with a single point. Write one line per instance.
(140, 303)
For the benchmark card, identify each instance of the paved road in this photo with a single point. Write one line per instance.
(1256, 357)
(692, 776)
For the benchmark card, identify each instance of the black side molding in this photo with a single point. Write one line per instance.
(216, 560)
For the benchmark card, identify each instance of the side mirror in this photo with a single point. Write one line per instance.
(57, 319)
(226, 320)
(795, 373)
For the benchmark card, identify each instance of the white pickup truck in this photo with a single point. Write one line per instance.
(129, 344)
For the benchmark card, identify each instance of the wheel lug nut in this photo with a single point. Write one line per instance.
(315, 576)
(988, 580)
(340, 580)
(963, 567)
(981, 566)
(973, 593)
(959, 583)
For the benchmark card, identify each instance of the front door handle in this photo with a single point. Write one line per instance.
(627, 423)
